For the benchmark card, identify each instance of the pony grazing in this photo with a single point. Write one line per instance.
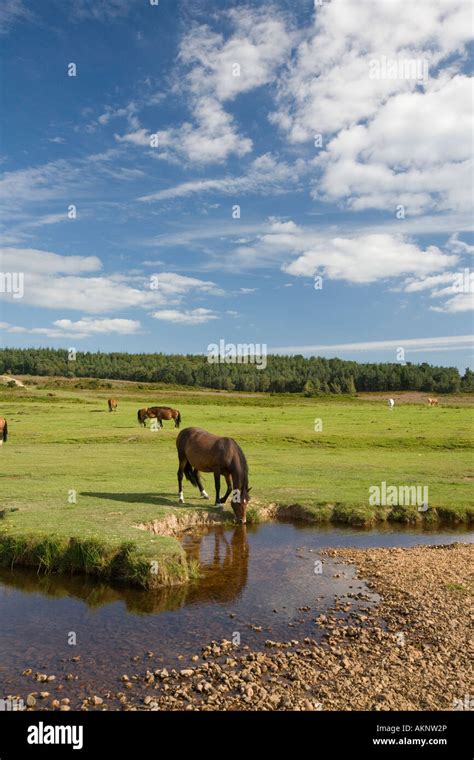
(3, 430)
(165, 413)
(142, 416)
(200, 451)
(433, 402)
(391, 403)
(112, 405)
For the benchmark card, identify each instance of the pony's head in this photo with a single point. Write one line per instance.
(240, 500)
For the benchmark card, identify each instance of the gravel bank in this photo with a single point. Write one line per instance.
(409, 652)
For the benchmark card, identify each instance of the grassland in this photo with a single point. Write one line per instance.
(65, 445)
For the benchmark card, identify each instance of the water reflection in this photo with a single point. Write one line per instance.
(222, 555)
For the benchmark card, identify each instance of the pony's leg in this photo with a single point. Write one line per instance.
(182, 463)
(217, 484)
(200, 485)
(229, 488)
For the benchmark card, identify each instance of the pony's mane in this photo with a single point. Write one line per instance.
(245, 472)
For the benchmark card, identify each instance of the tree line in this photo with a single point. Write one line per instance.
(283, 374)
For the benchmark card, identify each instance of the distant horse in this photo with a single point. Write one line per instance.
(142, 416)
(433, 402)
(391, 403)
(3, 430)
(112, 405)
(198, 451)
(165, 413)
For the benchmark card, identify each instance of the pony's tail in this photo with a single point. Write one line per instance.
(189, 474)
(138, 416)
(5, 432)
(178, 420)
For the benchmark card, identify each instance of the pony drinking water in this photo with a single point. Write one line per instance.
(200, 451)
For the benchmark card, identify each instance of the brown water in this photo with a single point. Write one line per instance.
(255, 577)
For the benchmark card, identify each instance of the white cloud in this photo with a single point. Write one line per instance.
(211, 140)
(411, 345)
(368, 258)
(82, 328)
(457, 304)
(459, 246)
(416, 151)
(11, 12)
(360, 258)
(265, 174)
(172, 284)
(259, 44)
(69, 282)
(100, 10)
(190, 317)
(90, 325)
(32, 260)
(385, 141)
(328, 88)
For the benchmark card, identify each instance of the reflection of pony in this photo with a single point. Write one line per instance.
(112, 405)
(3, 430)
(391, 403)
(223, 563)
(433, 402)
(165, 413)
(222, 555)
(200, 451)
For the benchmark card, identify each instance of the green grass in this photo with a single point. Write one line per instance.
(124, 475)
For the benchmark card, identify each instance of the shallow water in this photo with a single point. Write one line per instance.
(259, 576)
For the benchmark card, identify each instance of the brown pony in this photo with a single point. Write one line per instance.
(3, 430)
(142, 416)
(433, 402)
(164, 413)
(198, 451)
(112, 405)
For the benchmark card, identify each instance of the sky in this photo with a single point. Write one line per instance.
(294, 174)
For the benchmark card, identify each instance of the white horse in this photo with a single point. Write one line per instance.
(391, 403)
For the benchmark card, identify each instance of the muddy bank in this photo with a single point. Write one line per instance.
(409, 651)
(176, 524)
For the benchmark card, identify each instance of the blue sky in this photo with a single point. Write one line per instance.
(342, 132)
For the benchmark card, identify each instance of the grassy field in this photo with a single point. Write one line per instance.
(64, 441)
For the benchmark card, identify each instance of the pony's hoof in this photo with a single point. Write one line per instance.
(204, 495)
(180, 498)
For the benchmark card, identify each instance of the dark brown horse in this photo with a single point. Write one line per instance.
(142, 416)
(3, 430)
(200, 451)
(112, 405)
(165, 413)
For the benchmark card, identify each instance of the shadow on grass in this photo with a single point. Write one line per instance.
(134, 498)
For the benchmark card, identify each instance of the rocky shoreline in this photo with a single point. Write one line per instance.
(410, 651)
